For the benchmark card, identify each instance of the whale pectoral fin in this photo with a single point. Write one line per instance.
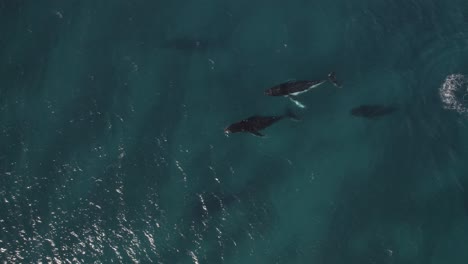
(258, 134)
(296, 102)
(316, 85)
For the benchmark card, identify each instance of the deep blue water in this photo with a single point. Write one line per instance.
(112, 146)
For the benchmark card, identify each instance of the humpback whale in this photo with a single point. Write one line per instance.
(256, 123)
(372, 111)
(291, 89)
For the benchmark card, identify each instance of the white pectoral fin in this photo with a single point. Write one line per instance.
(296, 102)
(316, 85)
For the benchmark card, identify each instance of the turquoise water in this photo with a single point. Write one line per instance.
(112, 146)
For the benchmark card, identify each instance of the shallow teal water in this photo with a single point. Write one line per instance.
(112, 146)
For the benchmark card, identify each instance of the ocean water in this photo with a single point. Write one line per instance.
(112, 147)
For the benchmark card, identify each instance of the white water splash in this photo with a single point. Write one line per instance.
(453, 93)
(194, 257)
(59, 14)
(212, 62)
(181, 170)
(203, 203)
